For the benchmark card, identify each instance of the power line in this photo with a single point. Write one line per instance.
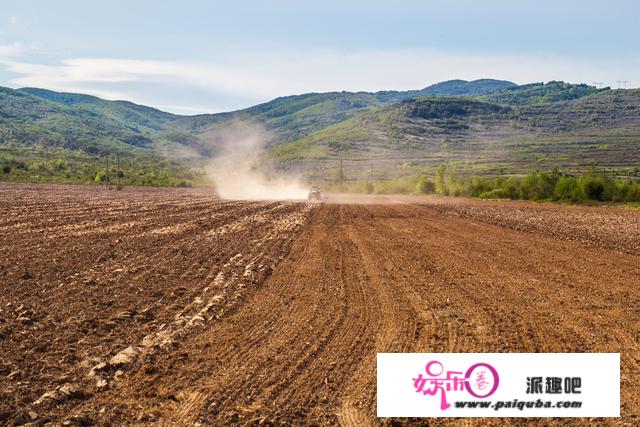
(622, 83)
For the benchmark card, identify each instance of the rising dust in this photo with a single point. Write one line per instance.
(241, 171)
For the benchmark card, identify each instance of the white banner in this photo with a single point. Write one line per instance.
(498, 385)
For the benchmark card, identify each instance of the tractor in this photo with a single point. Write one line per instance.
(314, 194)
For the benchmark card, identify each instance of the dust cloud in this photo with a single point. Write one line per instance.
(240, 171)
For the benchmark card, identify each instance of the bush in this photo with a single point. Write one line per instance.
(6, 169)
(425, 185)
(101, 176)
(512, 188)
(539, 186)
(633, 193)
(593, 188)
(440, 184)
(58, 165)
(37, 167)
(616, 191)
(568, 189)
(479, 186)
(496, 193)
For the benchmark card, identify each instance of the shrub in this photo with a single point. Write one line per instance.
(593, 187)
(6, 169)
(512, 188)
(101, 176)
(616, 191)
(425, 185)
(530, 186)
(480, 186)
(440, 184)
(539, 186)
(633, 193)
(496, 193)
(567, 189)
(58, 165)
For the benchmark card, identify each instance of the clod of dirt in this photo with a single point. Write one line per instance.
(144, 316)
(25, 320)
(104, 257)
(98, 368)
(78, 420)
(26, 276)
(60, 394)
(24, 418)
(125, 357)
(14, 374)
(125, 315)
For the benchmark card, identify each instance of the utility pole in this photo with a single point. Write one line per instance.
(118, 170)
(621, 83)
(106, 174)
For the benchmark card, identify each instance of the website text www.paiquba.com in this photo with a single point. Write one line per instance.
(519, 404)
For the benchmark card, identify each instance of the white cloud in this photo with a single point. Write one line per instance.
(261, 76)
(11, 50)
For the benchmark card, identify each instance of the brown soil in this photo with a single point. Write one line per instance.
(169, 306)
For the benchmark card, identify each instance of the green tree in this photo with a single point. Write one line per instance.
(511, 188)
(425, 185)
(440, 180)
(568, 189)
(593, 187)
(101, 176)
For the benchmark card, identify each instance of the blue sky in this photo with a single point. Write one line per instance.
(207, 56)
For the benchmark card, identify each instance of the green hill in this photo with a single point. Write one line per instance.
(489, 126)
(136, 117)
(479, 137)
(291, 117)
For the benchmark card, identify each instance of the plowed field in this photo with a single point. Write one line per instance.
(174, 307)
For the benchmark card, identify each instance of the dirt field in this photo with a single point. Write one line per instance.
(169, 306)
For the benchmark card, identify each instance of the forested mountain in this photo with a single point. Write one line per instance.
(488, 124)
